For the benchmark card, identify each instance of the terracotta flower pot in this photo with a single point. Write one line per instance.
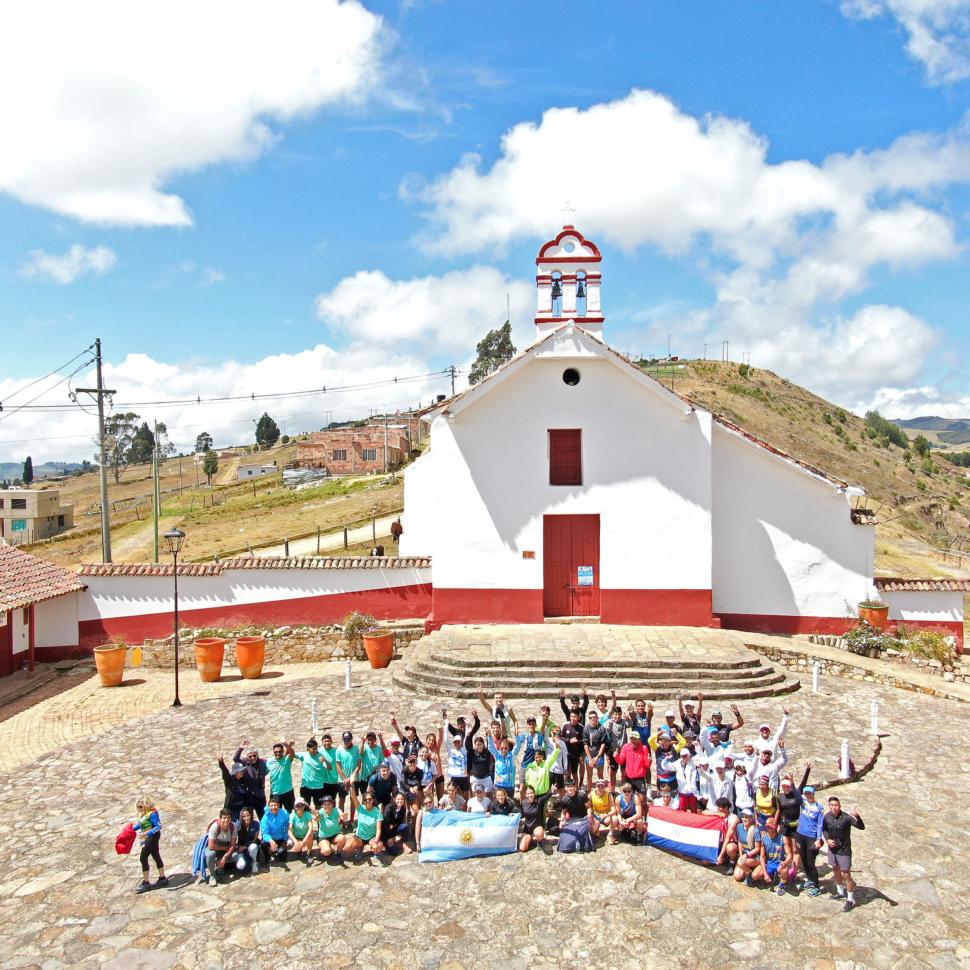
(380, 649)
(250, 654)
(209, 652)
(876, 616)
(111, 664)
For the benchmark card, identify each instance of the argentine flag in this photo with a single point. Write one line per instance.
(694, 835)
(462, 835)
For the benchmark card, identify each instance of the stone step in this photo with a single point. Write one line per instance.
(599, 668)
(567, 620)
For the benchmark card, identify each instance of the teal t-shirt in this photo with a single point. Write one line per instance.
(367, 822)
(280, 774)
(372, 757)
(348, 758)
(313, 773)
(329, 824)
(301, 825)
(330, 776)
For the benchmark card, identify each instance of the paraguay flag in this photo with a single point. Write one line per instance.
(461, 835)
(694, 835)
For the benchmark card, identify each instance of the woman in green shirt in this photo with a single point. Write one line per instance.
(368, 833)
(328, 829)
(301, 831)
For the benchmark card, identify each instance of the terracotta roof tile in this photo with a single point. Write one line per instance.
(889, 584)
(25, 579)
(864, 517)
(150, 569)
(255, 562)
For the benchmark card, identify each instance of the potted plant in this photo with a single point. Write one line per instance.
(378, 643)
(875, 613)
(209, 652)
(250, 654)
(110, 660)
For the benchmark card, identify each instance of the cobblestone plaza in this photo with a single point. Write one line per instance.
(68, 900)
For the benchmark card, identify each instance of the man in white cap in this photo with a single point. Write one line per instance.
(765, 740)
(669, 726)
(769, 768)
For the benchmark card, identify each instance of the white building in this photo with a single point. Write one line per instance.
(245, 472)
(571, 483)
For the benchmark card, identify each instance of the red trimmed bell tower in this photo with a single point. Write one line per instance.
(568, 284)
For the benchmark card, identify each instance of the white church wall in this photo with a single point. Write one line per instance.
(784, 543)
(56, 622)
(924, 606)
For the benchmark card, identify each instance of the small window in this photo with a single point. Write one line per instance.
(1, 503)
(27, 616)
(18, 503)
(566, 457)
(18, 525)
(340, 454)
(370, 454)
(570, 376)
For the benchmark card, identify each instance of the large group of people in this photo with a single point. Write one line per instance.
(601, 764)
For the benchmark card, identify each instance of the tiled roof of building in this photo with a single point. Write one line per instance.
(255, 562)
(889, 584)
(25, 579)
(864, 517)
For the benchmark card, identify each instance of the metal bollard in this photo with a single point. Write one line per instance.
(348, 673)
(844, 770)
(874, 729)
(816, 668)
(313, 716)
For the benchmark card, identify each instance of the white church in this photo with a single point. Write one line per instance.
(570, 483)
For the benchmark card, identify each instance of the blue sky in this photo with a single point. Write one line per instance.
(285, 198)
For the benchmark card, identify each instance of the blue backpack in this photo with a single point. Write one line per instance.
(574, 836)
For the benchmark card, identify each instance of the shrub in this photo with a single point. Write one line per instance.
(892, 432)
(357, 624)
(826, 417)
(864, 638)
(932, 645)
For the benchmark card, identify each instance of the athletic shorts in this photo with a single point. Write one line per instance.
(558, 778)
(312, 796)
(639, 785)
(332, 789)
(773, 868)
(461, 782)
(688, 803)
(327, 838)
(614, 764)
(842, 860)
(597, 764)
(485, 782)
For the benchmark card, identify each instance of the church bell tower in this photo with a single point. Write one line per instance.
(568, 284)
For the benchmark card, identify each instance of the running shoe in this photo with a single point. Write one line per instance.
(847, 905)
(815, 891)
(143, 887)
(162, 882)
(748, 881)
(781, 889)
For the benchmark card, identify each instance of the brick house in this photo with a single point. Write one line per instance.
(355, 451)
(27, 515)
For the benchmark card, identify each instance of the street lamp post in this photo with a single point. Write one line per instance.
(173, 539)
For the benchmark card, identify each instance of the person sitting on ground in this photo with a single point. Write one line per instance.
(452, 800)
(256, 775)
(630, 814)
(280, 768)
(690, 720)
(368, 832)
(238, 792)
(395, 830)
(479, 803)
(500, 712)
(274, 831)
(149, 828)
(383, 786)
(601, 805)
(301, 831)
(502, 803)
(222, 844)
(777, 856)
(533, 817)
(749, 847)
(575, 804)
(329, 835)
(728, 854)
(247, 841)
(574, 704)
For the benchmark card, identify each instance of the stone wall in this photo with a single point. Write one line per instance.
(960, 672)
(283, 645)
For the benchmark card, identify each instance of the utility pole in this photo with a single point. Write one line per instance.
(155, 495)
(705, 351)
(385, 439)
(452, 369)
(100, 392)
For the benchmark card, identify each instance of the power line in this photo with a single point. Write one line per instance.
(44, 378)
(32, 407)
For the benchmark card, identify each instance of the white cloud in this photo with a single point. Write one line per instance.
(783, 244)
(77, 261)
(451, 312)
(102, 103)
(210, 276)
(939, 32)
(68, 436)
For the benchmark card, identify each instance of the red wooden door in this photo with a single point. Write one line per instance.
(6, 644)
(571, 565)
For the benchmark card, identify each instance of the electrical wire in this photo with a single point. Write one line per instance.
(57, 370)
(23, 407)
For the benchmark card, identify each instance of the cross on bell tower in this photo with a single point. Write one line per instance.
(568, 283)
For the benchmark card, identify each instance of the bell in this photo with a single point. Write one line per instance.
(556, 290)
(581, 290)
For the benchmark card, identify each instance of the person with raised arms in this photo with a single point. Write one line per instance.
(315, 765)
(501, 712)
(257, 772)
(280, 768)
(595, 743)
(837, 828)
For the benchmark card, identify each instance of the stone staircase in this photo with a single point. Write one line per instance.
(436, 666)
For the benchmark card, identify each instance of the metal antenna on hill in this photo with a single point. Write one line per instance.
(100, 392)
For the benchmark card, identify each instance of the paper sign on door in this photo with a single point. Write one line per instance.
(585, 576)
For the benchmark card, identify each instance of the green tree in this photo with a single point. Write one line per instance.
(267, 433)
(28, 475)
(203, 443)
(142, 445)
(210, 465)
(119, 432)
(888, 430)
(921, 445)
(493, 351)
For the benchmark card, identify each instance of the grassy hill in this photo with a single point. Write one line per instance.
(947, 434)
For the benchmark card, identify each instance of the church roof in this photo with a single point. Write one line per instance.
(26, 579)
(463, 398)
(254, 562)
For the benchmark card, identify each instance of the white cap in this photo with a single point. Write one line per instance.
(670, 714)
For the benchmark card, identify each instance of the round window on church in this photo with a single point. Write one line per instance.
(570, 376)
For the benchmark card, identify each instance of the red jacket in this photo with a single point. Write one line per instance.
(126, 839)
(636, 761)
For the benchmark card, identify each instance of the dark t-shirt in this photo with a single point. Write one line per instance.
(383, 788)
(595, 737)
(840, 831)
(481, 764)
(411, 779)
(508, 807)
(576, 805)
(532, 813)
(572, 734)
